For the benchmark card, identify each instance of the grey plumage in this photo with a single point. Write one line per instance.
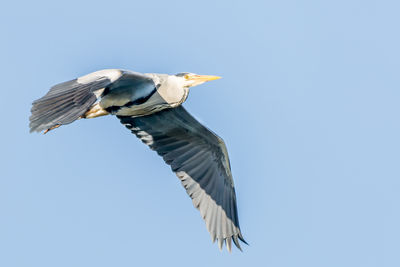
(199, 159)
(68, 101)
(150, 106)
(130, 89)
(64, 103)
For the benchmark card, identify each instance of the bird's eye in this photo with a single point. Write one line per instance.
(187, 76)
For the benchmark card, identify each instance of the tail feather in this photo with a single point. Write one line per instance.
(64, 103)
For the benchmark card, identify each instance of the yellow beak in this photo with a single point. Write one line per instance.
(203, 78)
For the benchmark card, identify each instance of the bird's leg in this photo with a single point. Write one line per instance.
(51, 128)
(94, 112)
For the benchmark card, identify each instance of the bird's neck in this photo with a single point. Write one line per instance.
(173, 91)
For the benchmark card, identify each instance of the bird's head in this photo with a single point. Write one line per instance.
(191, 79)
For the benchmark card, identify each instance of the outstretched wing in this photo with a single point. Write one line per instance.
(200, 160)
(68, 101)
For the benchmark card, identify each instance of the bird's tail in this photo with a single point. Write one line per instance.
(63, 104)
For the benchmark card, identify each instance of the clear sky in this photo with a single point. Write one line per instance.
(308, 106)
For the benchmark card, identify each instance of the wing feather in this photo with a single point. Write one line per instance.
(199, 159)
(68, 101)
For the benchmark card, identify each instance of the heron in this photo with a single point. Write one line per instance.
(150, 106)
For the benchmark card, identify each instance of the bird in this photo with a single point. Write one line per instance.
(150, 106)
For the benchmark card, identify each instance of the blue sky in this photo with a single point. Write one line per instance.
(308, 106)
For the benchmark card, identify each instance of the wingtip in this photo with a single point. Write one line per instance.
(236, 242)
(220, 243)
(242, 239)
(228, 242)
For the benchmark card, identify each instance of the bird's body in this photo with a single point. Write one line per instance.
(150, 106)
(143, 94)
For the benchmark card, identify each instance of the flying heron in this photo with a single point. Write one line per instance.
(150, 106)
